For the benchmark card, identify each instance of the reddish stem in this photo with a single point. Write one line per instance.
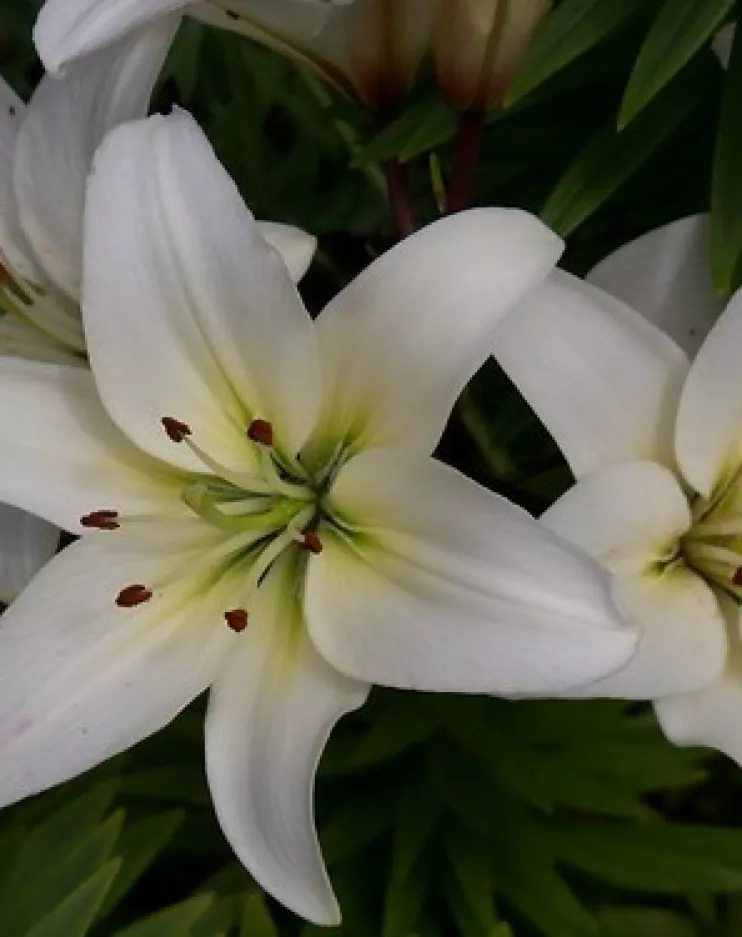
(465, 161)
(400, 198)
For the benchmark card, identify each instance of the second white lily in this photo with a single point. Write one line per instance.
(655, 442)
(259, 508)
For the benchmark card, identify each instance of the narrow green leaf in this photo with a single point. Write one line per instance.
(726, 183)
(74, 916)
(137, 847)
(403, 903)
(176, 921)
(655, 857)
(256, 920)
(613, 157)
(356, 824)
(469, 860)
(681, 28)
(645, 922)
(417, 814)
(574, 27)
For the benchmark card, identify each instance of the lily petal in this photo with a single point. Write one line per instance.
(708, 435)
(184, 292)
(401, 341)
(82, 679)
(666, 276)
(26, 544)
(64, 124)
(710, 716)
(603, 380)
(13, 244)
(630, 517)
(431, 582)
(296, 246)
(269, 717)
(62, 455)
(65, 31)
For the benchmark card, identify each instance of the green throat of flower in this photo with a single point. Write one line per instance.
(713, 545)
(261, 516)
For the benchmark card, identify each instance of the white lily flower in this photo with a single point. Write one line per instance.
(369, 49)
(271, 522)
(46, 148)
(655, 443)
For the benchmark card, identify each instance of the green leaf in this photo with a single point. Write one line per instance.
(469, 860)
(403, 902)
(137, 847)
(176, 921)
(420, 129)
(74, 916)
(417, 814)
(357, 823)
(644, 922)
(613, 157)
(655, 857)
(726, 183)
(681, 28)
(573, 28)
(256, 920)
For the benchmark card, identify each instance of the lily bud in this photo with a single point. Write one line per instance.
(479, 45)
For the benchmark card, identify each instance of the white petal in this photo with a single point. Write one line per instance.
(296, 246)
(13, 245)
(64, 31)
(710, 716)
(80, 678)
(26, 544)
(401, 341)
(62, 457)
(434, 583)
(708, 435)
(722, 43)
(184, 293)
(268, 720)
(628, 516)
(666, 276)
(631, 517)
(604, 382)
(65, 122)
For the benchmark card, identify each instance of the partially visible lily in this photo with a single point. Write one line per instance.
(479, 45)
(259, 510)
(655, 442)
(46, 148)
(368, 49)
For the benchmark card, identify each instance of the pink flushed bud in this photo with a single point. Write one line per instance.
(385, 42)
(479, 45)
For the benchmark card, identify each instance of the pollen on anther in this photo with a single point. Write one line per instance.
(132, 596)
(175, 429)
(737, 577)
(101, 520)
(261, 431)
(237, 619)
(312, 542)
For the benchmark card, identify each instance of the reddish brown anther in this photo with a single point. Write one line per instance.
(312, 542)
(133, 595)
(261, 431)
(101, 520)
(176, 430)
(737, 577)
(237, 619)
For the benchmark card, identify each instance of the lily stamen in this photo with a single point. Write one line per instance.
(101, 520)
(237, 620)
(132, 596)
(261, 432)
